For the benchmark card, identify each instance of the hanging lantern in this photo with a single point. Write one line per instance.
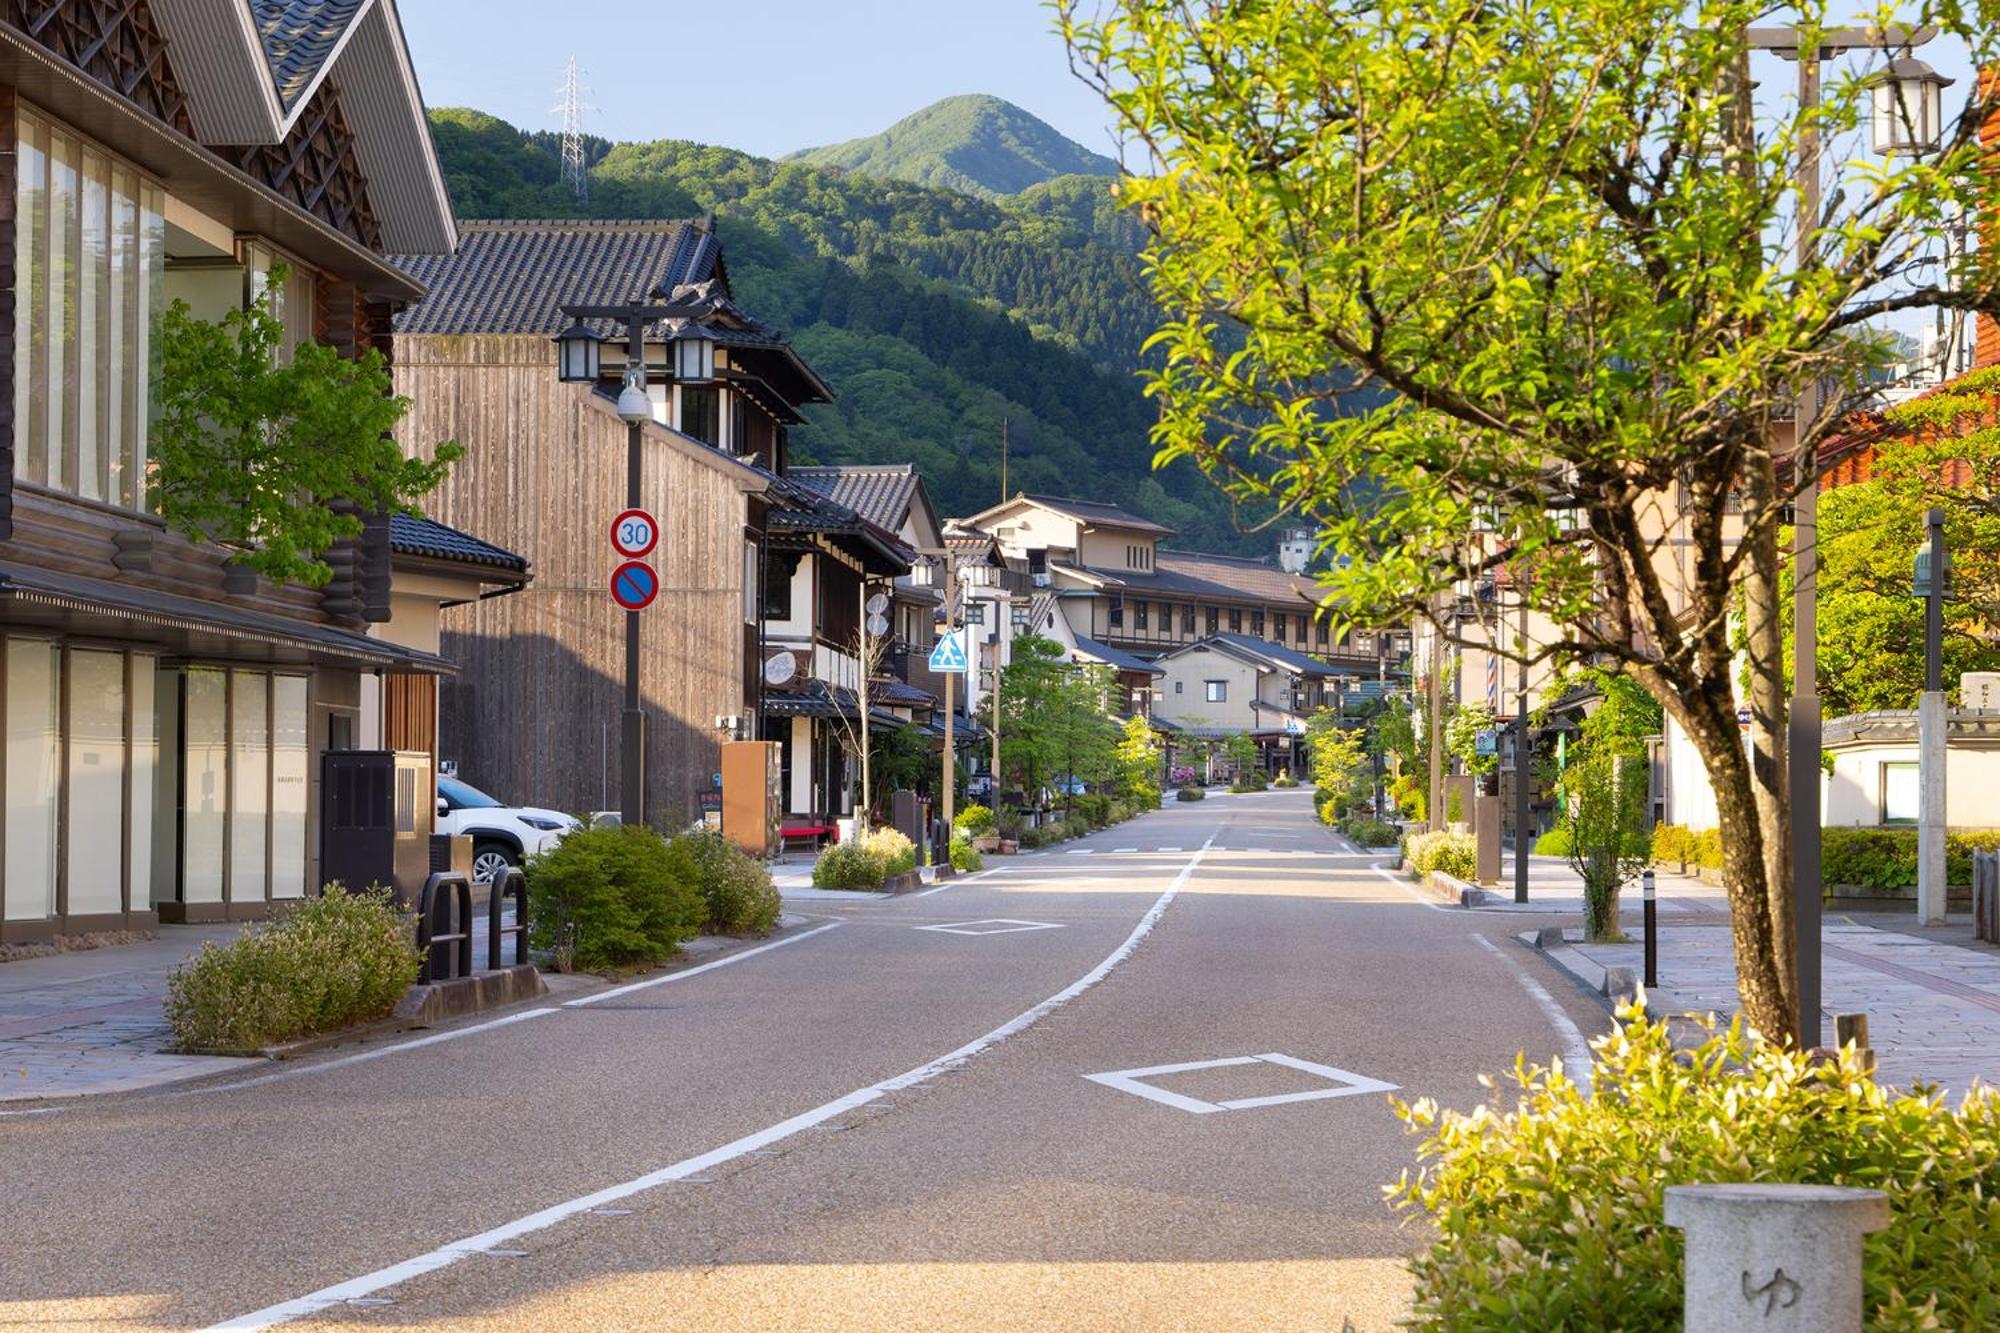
(694, 359)
(577, 355)
(1907, 100)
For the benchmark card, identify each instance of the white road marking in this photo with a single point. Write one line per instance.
(1002, 925)
(1576, 1051)
(1345, 1084)
(1081, 851)
(955, 882)
(1169, 849)
(728, 961)
(1404, 886)
(1121, 851)
(444, 1256)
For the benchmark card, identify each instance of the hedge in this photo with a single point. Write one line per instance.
(613, 897)
(1454, 854)
(1862, 858)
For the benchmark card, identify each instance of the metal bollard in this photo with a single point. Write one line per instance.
(1648, 891)
(1774, 1258)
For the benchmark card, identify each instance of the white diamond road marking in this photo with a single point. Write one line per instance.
(998, 925)
(1345, 1084)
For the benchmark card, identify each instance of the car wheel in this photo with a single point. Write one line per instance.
(490, 859)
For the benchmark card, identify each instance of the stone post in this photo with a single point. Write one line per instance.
(1485, 814)
(1774, 1258)
(1932, 730)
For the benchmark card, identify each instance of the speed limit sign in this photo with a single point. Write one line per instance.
(634, 533)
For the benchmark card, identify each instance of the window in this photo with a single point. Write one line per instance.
(1278, 627)
(1256, 623)
(779, 569)
(1142, 622)
(1218, 691)
(752, 563)
(1117, 611)
(89, 263)
(1302, 629)
(33, 764)
(1364, 643)
(1321, 633)
(291, 304)
(1187, 620)
(739, 424)
(1235, 622)
(1899, 793)
(1214, 620)
(701, 412)
(975, 613)
(1177, 686)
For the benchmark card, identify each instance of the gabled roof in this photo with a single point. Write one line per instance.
(881, 493)
(1093, 651)
(808, 513)
(1258, 653)
(413, 534)
(252, 67)
(1202, 577)
(1088, 512)
(514, 277)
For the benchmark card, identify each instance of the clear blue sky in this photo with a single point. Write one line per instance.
(765, 76)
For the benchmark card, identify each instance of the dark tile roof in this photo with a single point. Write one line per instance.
(1090, 511)
(298, 36)
(1225, 578)
(511, 277)
(414, 535)
(1262, 652)
(881, 494)
(900, 694)
(807, 511)
(1113, 658)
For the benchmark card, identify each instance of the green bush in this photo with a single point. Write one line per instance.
(1092, 808)
(890, 847)
(1120, 812)
(612, 897)
(1551, 1215)
(1708, 849)
(1556, 842)
(1365, 832)
(734, 885)
(1672, 845)
(1329, 811)
(1454, 854)
(327, 963)
(975, 821)
(1190, 794)
(965, 858)
(1886, 858)
(848, 865)
(1284, 780)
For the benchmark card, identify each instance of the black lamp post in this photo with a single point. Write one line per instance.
(578, 360)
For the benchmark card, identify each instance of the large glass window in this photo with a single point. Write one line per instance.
(96, 738)
(32, 765)
(145, 775)
(205, 793)
(700, 410)
(290, 727)
(89, 266)
(1900, 793)
(250, 783)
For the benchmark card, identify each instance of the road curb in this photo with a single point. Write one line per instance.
(1580, 969)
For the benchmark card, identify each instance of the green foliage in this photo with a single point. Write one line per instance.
(1138, 763)
(899, 758)
(1284, 781)
(965, 858)
(1363, 832)
(1454, 806)
(1556, 842)
(1672, 845)
(1461, 739)
(1339, 759)
(1093, 808)
(1604, 814)
(1055, 718)
(848, 865)
(974, 821)
(253, 449)
(1190, 794)
(1454, 854)
(327, 963)
(972, 143)
(735, 887)
(614, 897)
(1886, 858)
(892, 848)
(1708, 849)
(1408, 793)
(1551, 1215)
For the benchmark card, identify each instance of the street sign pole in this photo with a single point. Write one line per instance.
(950, 708)
(632, 735)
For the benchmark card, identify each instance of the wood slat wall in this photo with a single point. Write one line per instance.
(534, 714)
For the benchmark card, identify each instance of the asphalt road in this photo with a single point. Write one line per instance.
(868, 1122)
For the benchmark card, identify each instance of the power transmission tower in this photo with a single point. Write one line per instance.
(572, 108)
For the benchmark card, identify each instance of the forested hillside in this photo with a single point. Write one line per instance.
(973, 144)
(934, 314)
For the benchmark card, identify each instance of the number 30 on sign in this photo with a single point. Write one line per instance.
(634, 534)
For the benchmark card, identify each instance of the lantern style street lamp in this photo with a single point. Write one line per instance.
(578, 355)
(1907, 100)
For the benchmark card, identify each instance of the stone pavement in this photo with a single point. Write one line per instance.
(1553, 886)
(1933, 1004)
(91, 1021)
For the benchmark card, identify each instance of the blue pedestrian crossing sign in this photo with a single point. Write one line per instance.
(949, 655)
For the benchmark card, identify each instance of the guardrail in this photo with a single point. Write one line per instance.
(512, 882)
(444, 927)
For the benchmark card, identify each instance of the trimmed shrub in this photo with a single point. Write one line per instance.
(735, 886)
(975, 821)
(1708, 849)
(1556, 842)
(1886, 858)
(612, 897)
(1284, 780)
(892, 848)
(1365, 832)
(1672, 845)
(1120, 812)
(1454, 854)
(1551, 1215)
(848, 865)
(328, 963)
(1092, 808)
(1182, 775)
(1329, 811)
(1190, 794)
(965, 858)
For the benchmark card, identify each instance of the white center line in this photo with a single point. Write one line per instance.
(369, 1284)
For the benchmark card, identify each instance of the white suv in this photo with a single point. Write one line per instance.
(502, 835)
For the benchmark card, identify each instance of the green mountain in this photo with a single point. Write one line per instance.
(934, 314)
(974, 144)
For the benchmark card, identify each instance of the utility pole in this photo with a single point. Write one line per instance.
(1933, 733)
(1003, 460)
(865, 641)
(950, 747)
(1434, 809)
(995, 711)
(1522, 841)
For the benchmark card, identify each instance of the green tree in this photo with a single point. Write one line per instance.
(1138, 758)
(277, 456)
(1604, 811)
(1031, 684)
(1339, 757)
(1943, 452)
(1563, 237)
(1461, 738)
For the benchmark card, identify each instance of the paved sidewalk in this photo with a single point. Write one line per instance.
(91, 1022)
(1933, 1005)
(1553, 886)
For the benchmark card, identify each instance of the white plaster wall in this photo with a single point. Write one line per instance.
(1690, 800)
(1189, 704)
(1972, 785)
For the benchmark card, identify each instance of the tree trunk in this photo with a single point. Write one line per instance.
(1763, 616)
(1762, 988)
